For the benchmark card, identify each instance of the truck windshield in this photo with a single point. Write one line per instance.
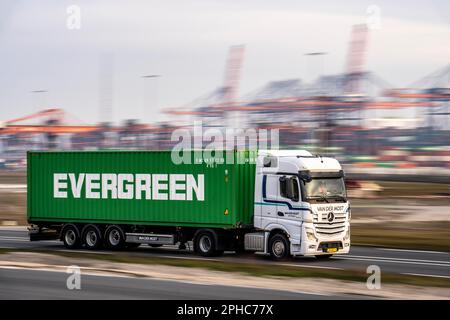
(325, 188)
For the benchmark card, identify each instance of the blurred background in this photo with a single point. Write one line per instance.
(365, 82)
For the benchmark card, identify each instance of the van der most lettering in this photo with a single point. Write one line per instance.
(129, 186)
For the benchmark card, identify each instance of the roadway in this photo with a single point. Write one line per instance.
(38, 284)
(414, 262)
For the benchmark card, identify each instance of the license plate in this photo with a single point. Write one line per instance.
(148, 238)
(332, 250)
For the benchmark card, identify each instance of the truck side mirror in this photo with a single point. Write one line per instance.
(305, 176)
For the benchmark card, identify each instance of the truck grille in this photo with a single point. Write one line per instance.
(324, 227)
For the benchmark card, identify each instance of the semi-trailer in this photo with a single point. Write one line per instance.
(279, 202)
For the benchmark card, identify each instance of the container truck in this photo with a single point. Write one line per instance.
(278, 202)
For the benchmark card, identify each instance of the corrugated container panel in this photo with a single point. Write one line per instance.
(228, 190)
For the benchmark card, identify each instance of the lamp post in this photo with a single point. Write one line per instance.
(323, 112)
(154, 95)
(39, 92)
(49, 137)
(154, 77)
(320, 56)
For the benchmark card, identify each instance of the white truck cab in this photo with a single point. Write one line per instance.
(301, 206)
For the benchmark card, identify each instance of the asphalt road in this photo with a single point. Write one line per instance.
(422, 263)
(38, 284)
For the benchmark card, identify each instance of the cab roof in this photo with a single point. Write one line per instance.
(302, 160)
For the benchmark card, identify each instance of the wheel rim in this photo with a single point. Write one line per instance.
(205, 244)
(278, 248)
(70, 237)
(114, 237)
(91, 238)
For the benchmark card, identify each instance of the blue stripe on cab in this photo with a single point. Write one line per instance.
(274, 203)
(264, 192)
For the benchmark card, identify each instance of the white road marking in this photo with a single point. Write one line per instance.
(308, 266)
(13, 268)
(186, 258)
(398, 259)
(427, 275)
(83, 251)
(22, 239)
(395, 261)
(13, 239)
(415, 251)
(13, 228)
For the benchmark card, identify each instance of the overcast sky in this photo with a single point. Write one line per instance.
(187, 42)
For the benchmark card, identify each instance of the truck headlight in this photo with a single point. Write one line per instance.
(347, 234)
(310, 235)
(349, 213)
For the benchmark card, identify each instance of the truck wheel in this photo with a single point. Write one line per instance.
(92, 237)
(204, 244)
(71, 237)
(279, 247)
(114, 238)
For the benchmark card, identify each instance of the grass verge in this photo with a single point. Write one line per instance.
(411, 235)
(411, 189)
(13, 206)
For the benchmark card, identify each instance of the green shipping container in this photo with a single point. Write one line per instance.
(141, 187)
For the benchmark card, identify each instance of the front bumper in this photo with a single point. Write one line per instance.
(322, 245)
(308, 248)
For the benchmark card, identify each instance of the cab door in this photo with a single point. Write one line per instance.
(290, 212)
(270, 199)
(289, 196)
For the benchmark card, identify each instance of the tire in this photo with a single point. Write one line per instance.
(71, 237)
(92, 237)
(205, 244)
(279, 247)
(324, 256)
(114, 238)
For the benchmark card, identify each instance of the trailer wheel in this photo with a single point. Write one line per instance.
(92, 237)
(205, 245)
(279, 247)
(71, 237)
(114, 238)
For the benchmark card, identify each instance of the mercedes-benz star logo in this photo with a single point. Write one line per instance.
(330, 217)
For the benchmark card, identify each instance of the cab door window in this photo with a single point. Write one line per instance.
(289, 188)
